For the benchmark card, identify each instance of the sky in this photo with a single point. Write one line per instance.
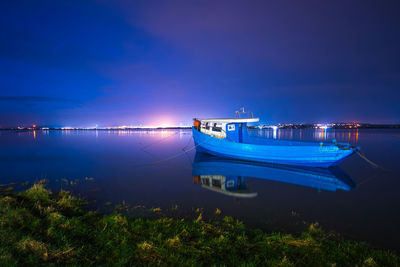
(109, 63)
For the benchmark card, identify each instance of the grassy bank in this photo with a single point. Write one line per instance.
(38, 227)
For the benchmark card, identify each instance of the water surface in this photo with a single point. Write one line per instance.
(131, 167)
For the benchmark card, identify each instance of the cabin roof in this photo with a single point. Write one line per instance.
(232, 120)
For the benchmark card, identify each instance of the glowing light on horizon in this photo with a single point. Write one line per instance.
(163, 121)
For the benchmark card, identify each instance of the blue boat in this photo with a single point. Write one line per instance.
(230, 138)
(228, 176)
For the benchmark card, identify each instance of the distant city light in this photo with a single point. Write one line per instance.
(166, 125)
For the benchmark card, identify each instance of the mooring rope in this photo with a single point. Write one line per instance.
(369, 178)
(158, 141)
(169, 158)
(184, 151)
(373, 164)
(367, 160)
(187, 144)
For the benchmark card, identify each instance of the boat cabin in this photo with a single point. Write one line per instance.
(234, 186)
(234, 129)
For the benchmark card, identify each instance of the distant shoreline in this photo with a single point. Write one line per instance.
(279, 126)
(318, 126)
(94, 129)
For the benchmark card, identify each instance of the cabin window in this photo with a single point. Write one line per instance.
(231, 127)
(230, 183)
(216, 182)
(217, 127)
(205, 181)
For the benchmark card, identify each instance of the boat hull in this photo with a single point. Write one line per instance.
(312, 155)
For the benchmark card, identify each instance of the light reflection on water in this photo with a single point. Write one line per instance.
(118, 162)
(317, 134)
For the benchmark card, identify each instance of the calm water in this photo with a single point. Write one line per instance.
(129, 167)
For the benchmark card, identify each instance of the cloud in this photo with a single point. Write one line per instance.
(32, 99)
(275, 34)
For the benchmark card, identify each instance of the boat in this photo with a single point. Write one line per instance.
(228, 176)
(230, 138)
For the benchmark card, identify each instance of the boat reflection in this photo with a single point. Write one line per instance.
(228, 176)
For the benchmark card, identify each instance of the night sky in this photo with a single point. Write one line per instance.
(107, 63)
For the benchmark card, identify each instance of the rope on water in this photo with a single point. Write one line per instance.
(369, 178)
(373, 164)
(366, 159)
(169, 158)
(187, 144)
(158, 141)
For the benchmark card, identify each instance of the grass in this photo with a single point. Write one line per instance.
(41, 228)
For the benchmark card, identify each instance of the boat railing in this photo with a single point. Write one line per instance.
(241, 111)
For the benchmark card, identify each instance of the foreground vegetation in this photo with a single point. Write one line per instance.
(38, 227)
